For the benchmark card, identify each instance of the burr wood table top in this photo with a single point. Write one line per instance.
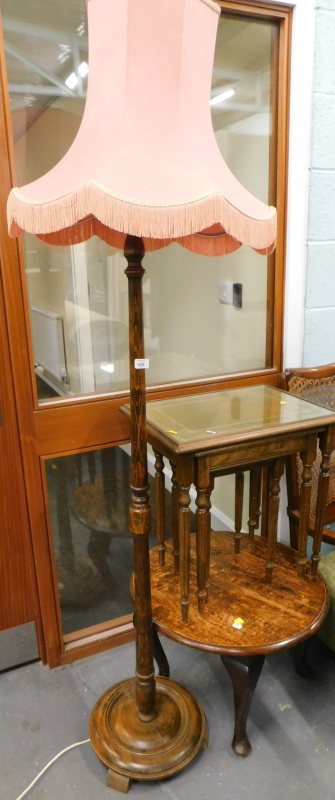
(273, 617)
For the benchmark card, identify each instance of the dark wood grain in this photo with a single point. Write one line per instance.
(307, 457)
(140, 515)
(202, 530)
(162, 747)
(244, 673)
(160, 504)
(327, 445)
(145, 727)
(184, 527)
(209, 506)
(18, 591)
(19, 602)
(266, 10)
(254, 501)
(275, 473)
(91, 644)
(275, 616)
(239, 489)
(315, 374)
(175, 513)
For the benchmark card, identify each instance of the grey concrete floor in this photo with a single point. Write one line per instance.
(291, 727)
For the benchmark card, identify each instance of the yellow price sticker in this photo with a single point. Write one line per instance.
(238, 624)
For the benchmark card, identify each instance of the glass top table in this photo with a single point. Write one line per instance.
(217, 433)
(214, 418)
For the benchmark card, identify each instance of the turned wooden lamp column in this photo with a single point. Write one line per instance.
(147, 727)
(140, 515)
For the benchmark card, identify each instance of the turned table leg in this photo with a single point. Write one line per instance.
(327, 445)
(184, 534)
(202, 531)
(276, 471)
(239, 488)
(202, 547)
(208, 554)
(160, 506)
(184, 478)
(244, 672)
(307, 458)
(175, 522)
(254, 501)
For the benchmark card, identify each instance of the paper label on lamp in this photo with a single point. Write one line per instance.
(141, 363)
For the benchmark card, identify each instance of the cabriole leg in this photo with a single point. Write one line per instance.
(244, 673)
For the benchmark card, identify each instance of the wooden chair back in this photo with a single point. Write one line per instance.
(316, 384)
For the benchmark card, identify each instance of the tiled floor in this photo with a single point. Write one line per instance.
(291, 727)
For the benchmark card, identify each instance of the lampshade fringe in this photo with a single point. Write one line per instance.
(90, 204)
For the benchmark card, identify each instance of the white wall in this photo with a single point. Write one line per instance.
(298, 178)
(319, 341)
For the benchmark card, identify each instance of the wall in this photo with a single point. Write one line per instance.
(319, 341)
(301, 84)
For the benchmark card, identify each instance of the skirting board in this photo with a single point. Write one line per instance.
(18, 646)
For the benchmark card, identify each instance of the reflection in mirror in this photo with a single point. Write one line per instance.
(88, 500)
(78, 295)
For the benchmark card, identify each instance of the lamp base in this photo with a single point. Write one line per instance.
(136, 750)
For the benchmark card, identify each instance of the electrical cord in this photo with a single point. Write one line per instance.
(49, 765)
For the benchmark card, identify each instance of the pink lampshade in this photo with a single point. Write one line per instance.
(145, 160)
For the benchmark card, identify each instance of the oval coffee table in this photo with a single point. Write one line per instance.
(244, 619)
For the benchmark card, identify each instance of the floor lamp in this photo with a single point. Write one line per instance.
(144, 171)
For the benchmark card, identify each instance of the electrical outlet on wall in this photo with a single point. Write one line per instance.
(237, 295)
(226, 292)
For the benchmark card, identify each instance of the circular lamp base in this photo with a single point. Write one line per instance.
(136, 750)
